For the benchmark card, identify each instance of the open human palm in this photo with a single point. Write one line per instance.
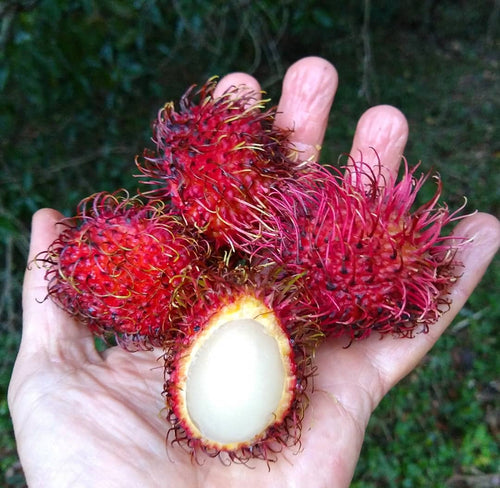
(85, 418)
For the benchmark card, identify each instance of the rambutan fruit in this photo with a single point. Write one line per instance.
(215, 158)
(241, 261)
(237, 371)
(371, 261)
(123, 267)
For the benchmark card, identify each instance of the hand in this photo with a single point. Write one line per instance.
(86, 419)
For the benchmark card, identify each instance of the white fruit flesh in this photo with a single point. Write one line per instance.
(238, 376)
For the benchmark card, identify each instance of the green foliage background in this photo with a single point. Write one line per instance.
(81, 80)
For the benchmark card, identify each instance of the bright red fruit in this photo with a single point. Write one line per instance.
(216, 158)
(238, 365)
(370, 259)
(123, 267)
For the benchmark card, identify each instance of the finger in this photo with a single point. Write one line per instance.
(309, 87)
(243, 82)
(381, 136)
(46, 328)
(482, 231)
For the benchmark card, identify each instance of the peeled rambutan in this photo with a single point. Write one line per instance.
(371, 261)
(238, 368)
(215, 158)
(123, 267)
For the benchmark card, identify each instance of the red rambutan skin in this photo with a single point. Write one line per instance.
(216, 158)
(122, 267)
(286, 299)
(370, 261)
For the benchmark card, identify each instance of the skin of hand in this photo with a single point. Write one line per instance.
(84, 418)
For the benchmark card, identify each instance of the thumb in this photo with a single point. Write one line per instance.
(47, 330)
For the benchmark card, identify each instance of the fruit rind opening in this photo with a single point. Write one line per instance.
(229, 402)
